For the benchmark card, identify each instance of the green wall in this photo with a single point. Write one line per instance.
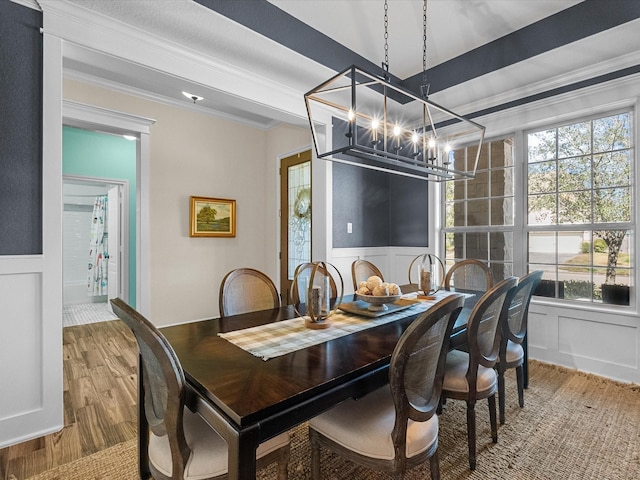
(100, 155)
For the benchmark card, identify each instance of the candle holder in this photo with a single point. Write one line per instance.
(430, 275)
(315, 293)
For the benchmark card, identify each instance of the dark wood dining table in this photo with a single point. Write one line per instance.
(249, 400)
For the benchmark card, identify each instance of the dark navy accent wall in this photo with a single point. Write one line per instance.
(408, 212)
(384, 209)
(361, 197)
(20, 130)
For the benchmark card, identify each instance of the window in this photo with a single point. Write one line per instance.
(479, 212)
(579, 209)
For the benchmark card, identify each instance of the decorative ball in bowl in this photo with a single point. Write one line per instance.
(376, 302)
(377, 293)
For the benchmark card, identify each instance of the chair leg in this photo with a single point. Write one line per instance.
(315, 455)
(520, 380)
(492, 418)
(501, 394)
(434, 465)
(283, 462)
(471, 434)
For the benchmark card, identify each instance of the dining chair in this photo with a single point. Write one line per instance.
(301, 278)
(363, 269)
(247, 290)
(514, 329)
(469, 375)
(469, 275)
(180, 444)
(395, 427)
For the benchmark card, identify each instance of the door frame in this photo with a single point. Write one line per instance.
(90, 117)
(123, 220)
(286, 162)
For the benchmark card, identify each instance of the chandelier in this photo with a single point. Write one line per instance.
(382, 126)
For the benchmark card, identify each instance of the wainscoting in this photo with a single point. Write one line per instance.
(603, 341)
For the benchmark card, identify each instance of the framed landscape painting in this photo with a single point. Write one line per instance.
(212, 217)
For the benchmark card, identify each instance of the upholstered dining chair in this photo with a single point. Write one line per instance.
(470, 375)
(181, 445)
(469, 275)
(395, 427)
(514, 329)
(247, 290)
(301, 278)
(363, 269)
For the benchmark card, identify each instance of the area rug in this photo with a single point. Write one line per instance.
(574, 426)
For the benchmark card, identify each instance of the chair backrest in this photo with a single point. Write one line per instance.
(302, 277)
(515, 327)
(246, 290)
(363, 269)
(417, 366)
(484, 327)
(163, 384)
(469, 275)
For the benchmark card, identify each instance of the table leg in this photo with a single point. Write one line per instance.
(242, 454)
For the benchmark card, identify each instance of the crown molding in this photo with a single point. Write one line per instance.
(83, 27)
(601, 98)
(153, 97)
(558, 81)
(105, 117)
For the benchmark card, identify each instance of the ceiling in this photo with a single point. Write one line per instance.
(481, 54)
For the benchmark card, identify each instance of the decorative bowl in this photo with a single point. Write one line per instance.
(377, 303)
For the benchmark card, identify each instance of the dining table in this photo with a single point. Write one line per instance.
(249, 396)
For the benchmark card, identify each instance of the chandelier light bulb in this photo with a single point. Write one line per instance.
(415, 137)
(375, 123)
(396, 130)
(351, 115)
(432, 143)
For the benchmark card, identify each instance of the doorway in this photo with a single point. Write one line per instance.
(95, 252)
(295, 217)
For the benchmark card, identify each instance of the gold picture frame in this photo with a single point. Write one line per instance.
(212, 217)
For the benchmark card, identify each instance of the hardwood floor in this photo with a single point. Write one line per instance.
(100, 397)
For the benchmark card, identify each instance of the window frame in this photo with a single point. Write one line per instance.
(510, 266)
(631, 225)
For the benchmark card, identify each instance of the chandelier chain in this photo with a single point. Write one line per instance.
(386, 35)
(424, 38)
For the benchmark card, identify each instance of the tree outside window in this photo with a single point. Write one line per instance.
(579, 206)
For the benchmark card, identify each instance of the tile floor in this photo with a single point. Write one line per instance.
(84, 313)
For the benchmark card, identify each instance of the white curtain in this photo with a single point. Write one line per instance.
(98, 252)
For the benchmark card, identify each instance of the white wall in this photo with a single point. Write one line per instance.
(202, 155)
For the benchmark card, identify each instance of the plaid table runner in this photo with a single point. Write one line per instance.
(279, 338)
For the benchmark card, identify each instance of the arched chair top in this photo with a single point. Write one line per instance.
(418, 360)
(363, 269)
(246, 290)
(515, 327)
(484, 325)
(469, 275)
